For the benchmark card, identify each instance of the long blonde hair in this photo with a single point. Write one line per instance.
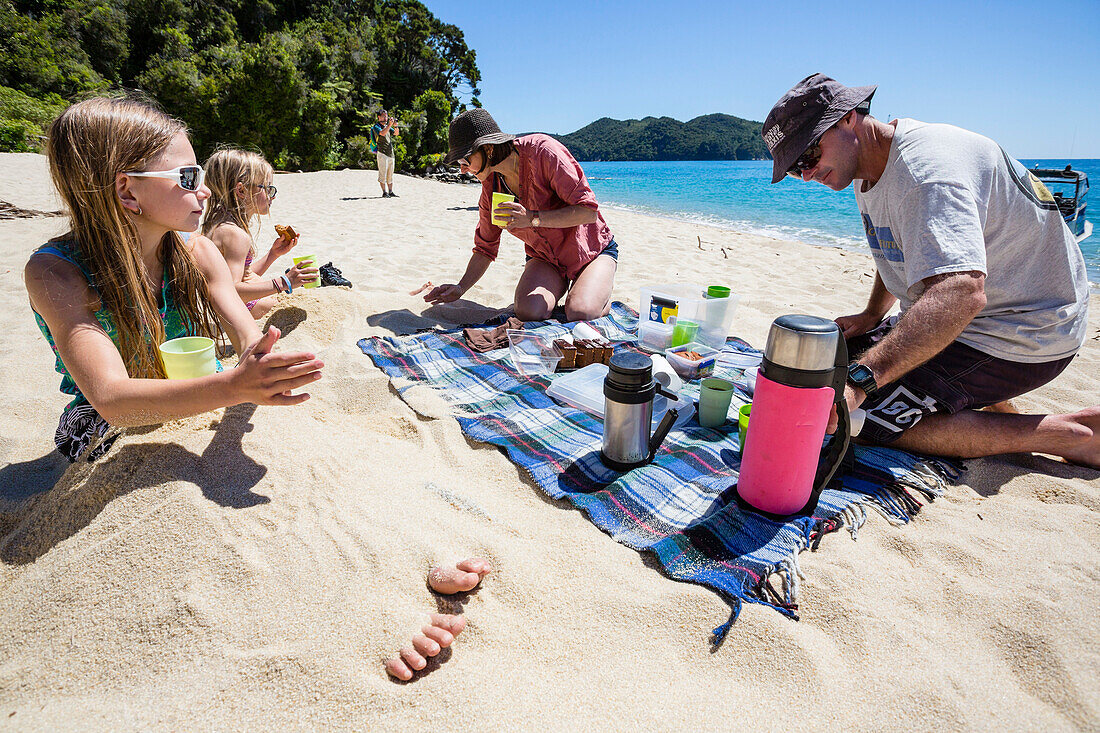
(224, 170)
(87, 146)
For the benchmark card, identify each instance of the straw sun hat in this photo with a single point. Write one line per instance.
(469, 131)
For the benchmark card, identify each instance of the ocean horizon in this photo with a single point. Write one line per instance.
(738, 195)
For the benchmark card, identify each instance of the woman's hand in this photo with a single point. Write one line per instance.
(281, 246)
(303, 272)
(858, 324)
(444, 294)
(518, 217)
(264, 378)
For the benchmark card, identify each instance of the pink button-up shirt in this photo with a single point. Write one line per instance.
(550, 178)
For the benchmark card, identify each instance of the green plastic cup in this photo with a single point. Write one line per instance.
(743, 423)
(188, 357)
(714, 401)
(684, 332)
(498, 199)
(312, 260)
(718, 291)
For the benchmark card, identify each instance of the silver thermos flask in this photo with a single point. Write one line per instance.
(629, 390)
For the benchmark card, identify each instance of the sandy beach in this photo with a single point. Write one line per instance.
(252, 568)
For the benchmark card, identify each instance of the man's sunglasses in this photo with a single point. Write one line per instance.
(271, 190)
(807, 160)
(187, 177)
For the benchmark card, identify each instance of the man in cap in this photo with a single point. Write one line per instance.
(991, 283)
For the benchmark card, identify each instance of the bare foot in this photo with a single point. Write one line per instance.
(462, 577)
(1004, 407)
(1087, 450)
(435, 637)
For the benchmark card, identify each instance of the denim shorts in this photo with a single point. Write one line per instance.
(958, 378)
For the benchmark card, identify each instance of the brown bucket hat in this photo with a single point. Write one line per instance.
(804, 113)
(469, 131)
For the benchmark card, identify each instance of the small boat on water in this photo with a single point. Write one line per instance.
(1070, 190)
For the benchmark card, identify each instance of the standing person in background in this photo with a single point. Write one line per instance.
(381, 135)
(569, 246)
(992, 285)
(240, 183)
(126, 278)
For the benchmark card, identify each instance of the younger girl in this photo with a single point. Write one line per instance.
(240, 183)
(124, 280)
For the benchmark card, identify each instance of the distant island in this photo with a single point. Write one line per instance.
(710, 137)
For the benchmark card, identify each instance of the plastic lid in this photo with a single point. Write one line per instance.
(718, 291)
(583, 389)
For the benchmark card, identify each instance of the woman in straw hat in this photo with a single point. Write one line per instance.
(570, 250)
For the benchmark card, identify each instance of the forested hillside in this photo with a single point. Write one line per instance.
(300, 80)
(710, 137)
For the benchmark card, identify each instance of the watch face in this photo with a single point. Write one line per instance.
(859, 373)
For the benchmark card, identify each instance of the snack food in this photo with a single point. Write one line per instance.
(285, 231)
(568, 354)
(583, 352)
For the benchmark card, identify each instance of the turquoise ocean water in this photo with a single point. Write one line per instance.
(738, 195)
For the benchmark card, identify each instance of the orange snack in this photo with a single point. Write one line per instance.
(286, 232)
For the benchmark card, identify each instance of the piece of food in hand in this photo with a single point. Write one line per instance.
(421, 289)
(286, 232)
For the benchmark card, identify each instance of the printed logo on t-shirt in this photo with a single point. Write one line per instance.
(881, 241)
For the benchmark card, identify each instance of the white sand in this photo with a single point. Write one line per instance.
(252, 568)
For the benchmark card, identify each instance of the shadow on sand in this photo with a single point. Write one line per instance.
(450, 315)
(47, 500)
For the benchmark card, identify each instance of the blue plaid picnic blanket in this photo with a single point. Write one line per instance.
(680, 507)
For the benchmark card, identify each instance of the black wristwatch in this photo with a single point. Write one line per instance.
(862, 377)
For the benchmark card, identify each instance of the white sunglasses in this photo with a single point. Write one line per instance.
(187, 177)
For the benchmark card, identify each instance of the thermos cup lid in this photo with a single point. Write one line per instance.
(802, 342)
(630, 371)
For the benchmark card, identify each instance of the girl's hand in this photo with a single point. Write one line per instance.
(303, 272)
(264, 378)
(518, 217)
(444, 294)
(281, 246)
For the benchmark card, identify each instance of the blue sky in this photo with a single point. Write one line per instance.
(1023, 73)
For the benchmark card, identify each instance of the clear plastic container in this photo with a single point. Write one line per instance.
(688, 369)
(583, 389)
(532, 354)
(661, 305)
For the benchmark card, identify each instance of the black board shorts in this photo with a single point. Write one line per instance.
(958, 378)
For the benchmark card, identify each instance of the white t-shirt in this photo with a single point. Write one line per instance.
(951, 200)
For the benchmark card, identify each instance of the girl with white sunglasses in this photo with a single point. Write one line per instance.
(124, 280)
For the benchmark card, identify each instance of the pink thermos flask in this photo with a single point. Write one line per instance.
(802, 376)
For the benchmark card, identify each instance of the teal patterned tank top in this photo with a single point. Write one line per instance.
(174, 325)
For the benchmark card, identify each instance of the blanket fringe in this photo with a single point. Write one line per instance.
(719, 632)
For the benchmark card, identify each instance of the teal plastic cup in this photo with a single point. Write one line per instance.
(188, 357)
(743, 423)
(684, 332)
(714, 401)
